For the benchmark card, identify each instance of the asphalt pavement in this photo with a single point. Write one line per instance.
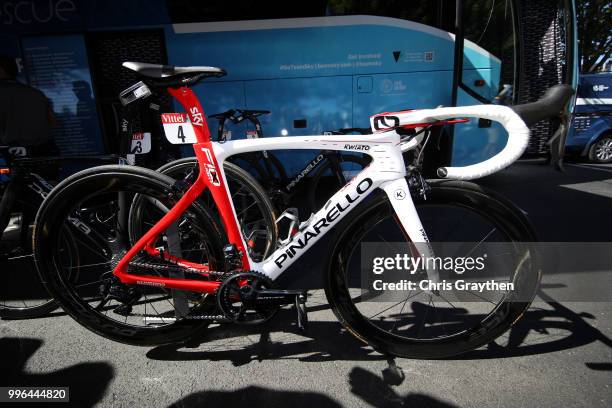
(559, 354)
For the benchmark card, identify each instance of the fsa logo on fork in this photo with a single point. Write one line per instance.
(211, 170)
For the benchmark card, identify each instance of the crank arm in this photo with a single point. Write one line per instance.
(279, 296)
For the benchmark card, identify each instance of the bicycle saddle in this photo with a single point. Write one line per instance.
(550, 105)
(223, 115)
(238, 115)
(169, 73)
(349, 131)
(251, 112)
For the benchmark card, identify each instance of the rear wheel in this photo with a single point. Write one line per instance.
(427, 325)
(92, 206)
(254, 210)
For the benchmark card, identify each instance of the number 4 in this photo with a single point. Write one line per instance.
(181, 135)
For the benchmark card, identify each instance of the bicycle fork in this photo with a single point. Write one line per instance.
(399, 196)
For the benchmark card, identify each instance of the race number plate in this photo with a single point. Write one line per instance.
(178, 128)
(141, 143)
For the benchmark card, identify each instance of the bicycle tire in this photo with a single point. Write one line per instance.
(233, 174)
(30, 312)
(467, 196)
(39, 310)
(49, 223)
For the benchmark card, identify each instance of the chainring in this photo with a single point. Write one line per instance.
(233, 298)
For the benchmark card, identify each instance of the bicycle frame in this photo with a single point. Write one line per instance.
(290, 187)
(386, 171)
(287, 185)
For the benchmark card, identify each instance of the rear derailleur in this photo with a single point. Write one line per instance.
(126, 295)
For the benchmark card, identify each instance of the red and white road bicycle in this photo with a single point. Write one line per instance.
(152, 265)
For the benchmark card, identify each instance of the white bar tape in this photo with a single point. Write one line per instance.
(518, 135)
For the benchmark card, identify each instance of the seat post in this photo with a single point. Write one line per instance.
(188, 99)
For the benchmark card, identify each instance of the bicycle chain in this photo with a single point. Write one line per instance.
(168, 266)
(145, 264)
(219, 318)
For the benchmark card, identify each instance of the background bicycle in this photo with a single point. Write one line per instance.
(25, 182)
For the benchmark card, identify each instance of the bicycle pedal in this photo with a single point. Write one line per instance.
(302, 314)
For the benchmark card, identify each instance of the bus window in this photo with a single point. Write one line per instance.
(420, 11)
(439, 13)
(189, 11)
(486, 77)
(489, 25)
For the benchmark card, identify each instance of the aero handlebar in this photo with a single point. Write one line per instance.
(514, 119)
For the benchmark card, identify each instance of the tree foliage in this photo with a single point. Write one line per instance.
(594, 33)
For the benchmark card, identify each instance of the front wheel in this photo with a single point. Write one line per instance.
(254, 210)
(426, 324)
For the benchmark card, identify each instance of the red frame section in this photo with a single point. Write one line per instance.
(208, 178)
(437, 123)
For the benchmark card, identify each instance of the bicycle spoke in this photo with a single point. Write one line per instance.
(400, 312)
(88, 265)
(423, 321)
(482, 297)
(481, 241)
(443, 298)
(409, 297)
(88, 284)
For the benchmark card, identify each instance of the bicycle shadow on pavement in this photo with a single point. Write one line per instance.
(324, 341)
(536, 333)
(87, 381)
(543, 321)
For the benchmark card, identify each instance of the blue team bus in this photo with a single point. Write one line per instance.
(317, 65)
(591, 133)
